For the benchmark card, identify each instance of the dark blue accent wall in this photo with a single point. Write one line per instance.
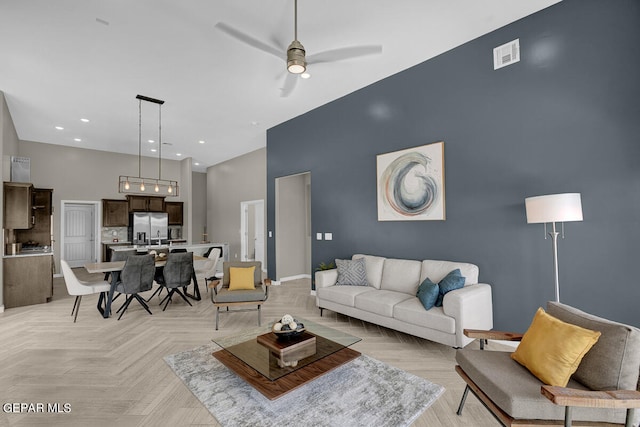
(566, 118)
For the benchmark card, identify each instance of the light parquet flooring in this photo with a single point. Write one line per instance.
(112, 372)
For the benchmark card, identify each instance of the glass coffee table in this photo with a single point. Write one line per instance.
(274, 367)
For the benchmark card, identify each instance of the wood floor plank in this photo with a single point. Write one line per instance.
(112, 372)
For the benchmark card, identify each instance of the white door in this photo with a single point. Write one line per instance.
(79, 239)
(258, 236)
(252, 231)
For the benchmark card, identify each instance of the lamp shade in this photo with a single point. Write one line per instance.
(554, 208)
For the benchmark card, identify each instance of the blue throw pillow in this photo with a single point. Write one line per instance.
(452, 281)
(428, 293)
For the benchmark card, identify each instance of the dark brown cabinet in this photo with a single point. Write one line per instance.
(115, 213)
(27, 280)
(42, 209)
(18, 203)
(174, 209)
(145, 204)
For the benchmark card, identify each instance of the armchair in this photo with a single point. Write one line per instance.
(604, 391)
(225, 295)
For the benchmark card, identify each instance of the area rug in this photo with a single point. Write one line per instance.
(363, 392)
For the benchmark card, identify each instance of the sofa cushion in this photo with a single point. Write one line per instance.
(452, 281)
(401, 275)
(436, 270)
(552, 349)
(374, 266)
(614, 361)
(380, 301)
(511, 387)
(352, 272)
(411, 311)
(428, 293)
(345, 295)
(242, 295)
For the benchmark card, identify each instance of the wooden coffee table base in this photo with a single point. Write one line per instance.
(283, 385)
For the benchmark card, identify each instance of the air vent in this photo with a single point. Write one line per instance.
(507, 54)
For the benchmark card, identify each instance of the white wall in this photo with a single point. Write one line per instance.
(229, 183)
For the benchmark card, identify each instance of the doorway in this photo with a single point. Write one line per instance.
(252, 231)
(78, 231)
(293, 226)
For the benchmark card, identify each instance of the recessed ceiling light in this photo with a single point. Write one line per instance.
(59, 128)
(255, 123)
(153, 150)
(77, 139)
(305, 75)
(151, 141)
(201, 142)
(197, 164)
(84, 120)
(178, 154)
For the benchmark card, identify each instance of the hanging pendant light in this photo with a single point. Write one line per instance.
(136, 185)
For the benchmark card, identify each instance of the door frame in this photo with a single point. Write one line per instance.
(244, 227)
(97, 219)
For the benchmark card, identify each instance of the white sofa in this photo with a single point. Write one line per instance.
(390, 299)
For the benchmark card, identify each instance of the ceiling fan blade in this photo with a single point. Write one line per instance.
(343, 53)
(251, 41)
(289, 84)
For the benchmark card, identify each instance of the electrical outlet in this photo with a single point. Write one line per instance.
(328, 236)
(318, 236)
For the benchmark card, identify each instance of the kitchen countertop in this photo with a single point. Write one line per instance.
(30, 253)
(177, 245)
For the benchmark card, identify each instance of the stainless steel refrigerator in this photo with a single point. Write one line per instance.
(149, 227)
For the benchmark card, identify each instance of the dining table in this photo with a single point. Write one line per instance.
(115, 267)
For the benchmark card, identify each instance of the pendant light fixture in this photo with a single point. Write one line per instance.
(136, 184)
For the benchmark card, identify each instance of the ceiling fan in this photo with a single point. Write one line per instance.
(295, 54)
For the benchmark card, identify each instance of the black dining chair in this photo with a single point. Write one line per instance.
(136, 277)
(177, 273)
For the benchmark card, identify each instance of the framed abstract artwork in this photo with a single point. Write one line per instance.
(411, 184)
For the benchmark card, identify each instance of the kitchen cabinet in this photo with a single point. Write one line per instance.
(18, 202)
(145, 204)
(27, 280)
(174, 209)
(42, 209)
(115, 213)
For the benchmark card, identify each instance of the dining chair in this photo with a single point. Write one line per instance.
(78, 288)
(177, 273)
(207, 269)
(119, 256)
(136, 277)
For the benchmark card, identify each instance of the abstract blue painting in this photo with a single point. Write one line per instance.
(411, 184)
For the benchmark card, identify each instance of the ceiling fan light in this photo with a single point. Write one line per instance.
(296, 63)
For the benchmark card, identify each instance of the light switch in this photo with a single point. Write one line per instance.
(328, 236)
(318, 236)
(270, 233)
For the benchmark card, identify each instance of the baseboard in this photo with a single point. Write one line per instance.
(313, 293)
(298, 276)
(2, 308)
(58, 275)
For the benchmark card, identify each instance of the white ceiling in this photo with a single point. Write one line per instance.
(64, 60)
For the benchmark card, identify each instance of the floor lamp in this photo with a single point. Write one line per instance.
(554, 208)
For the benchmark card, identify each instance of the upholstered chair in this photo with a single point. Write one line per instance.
(136, 277)
(177, 273)
(78, 288)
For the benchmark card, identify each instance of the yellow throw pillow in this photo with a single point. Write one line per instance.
(552, 349)
(241, 278)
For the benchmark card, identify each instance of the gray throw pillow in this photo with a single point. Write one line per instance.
(352, 272)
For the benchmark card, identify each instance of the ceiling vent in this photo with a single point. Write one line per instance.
(507, 54)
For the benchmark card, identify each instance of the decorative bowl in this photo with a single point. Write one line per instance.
(284, 331)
